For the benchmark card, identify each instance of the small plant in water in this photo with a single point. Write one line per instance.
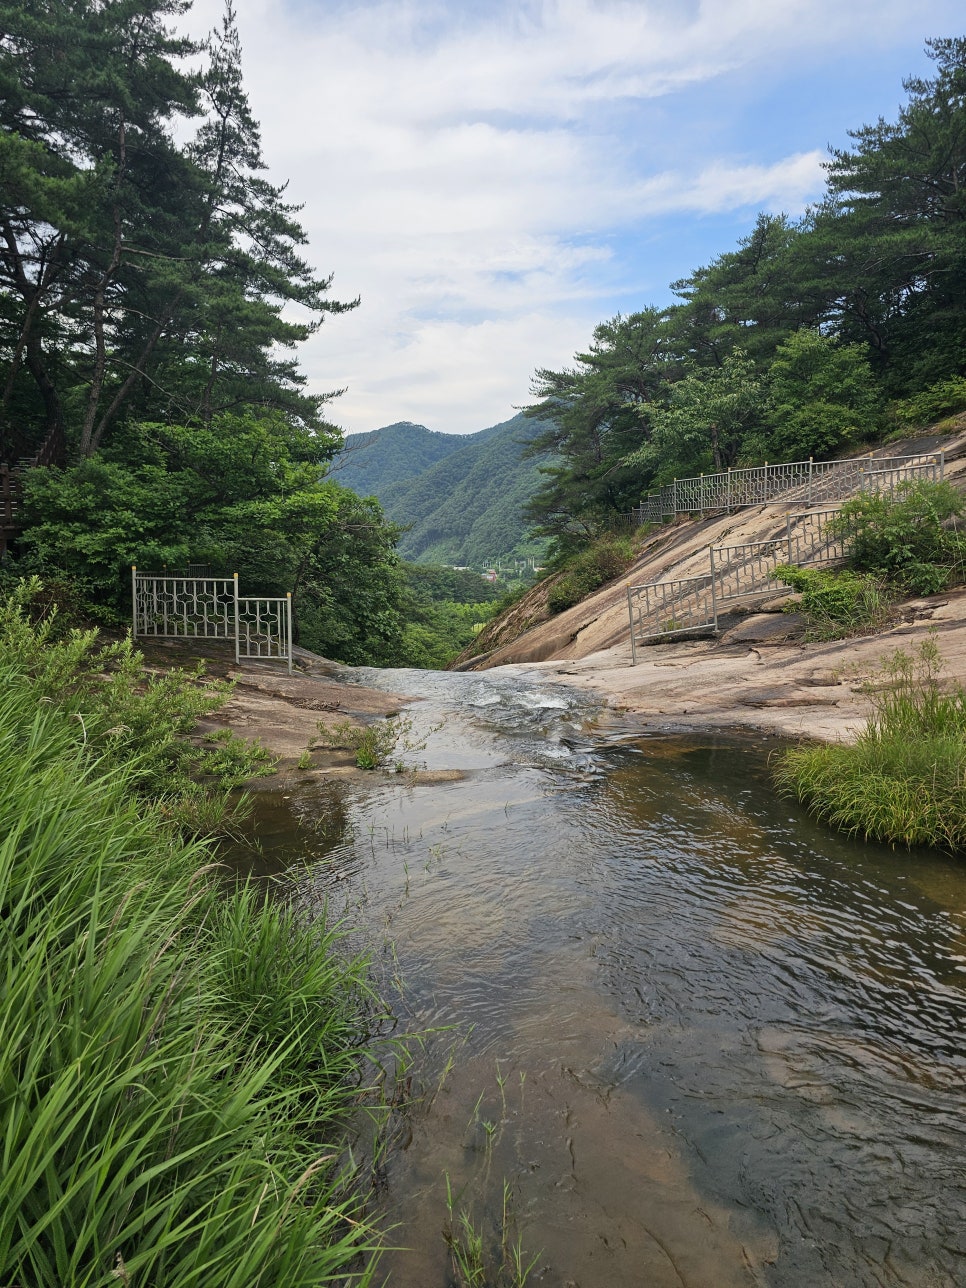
(506, 1267)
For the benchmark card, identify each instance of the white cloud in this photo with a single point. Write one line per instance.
(474, 171)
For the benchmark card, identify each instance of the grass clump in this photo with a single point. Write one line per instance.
(179, 1060)
(127, 715)
(599, 563)
(176, 1062)
(836, 604)
(904, 778)
(374, 745)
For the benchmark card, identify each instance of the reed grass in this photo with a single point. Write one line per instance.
(903, 780)
(176, 1064)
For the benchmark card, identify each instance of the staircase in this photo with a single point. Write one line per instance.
(690, 605)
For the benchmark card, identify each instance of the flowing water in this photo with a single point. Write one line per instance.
(678, 1034)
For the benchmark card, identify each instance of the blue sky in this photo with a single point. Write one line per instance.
(495, 178)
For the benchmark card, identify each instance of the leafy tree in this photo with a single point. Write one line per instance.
(138, 275)
(822, 397)
(593, 413)
(890, 240)
(745, 298)
(712, 417)
(243, 495)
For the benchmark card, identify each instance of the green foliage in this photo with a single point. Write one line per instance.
(139, 274)
(180, 1060)
(373, 744)
(245, 494)
(836, 604)
(938, 401)
(602, 561)
(822, 397)
(905, 537)
(444, 609)
(709, 414)
(592, 416)
(129, 717)
(904, 778)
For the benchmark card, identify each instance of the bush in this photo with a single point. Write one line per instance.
(904, 778)
(128, 716)
(904, 537)
(836, 604)
(940, 400)
(584, 573)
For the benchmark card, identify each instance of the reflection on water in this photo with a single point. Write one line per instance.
(704, 1041)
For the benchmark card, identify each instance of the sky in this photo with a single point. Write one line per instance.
(492, 178)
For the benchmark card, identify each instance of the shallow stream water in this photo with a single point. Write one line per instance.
(678, 1035)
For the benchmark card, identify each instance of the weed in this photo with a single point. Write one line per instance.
(506, 1265)
(305, 760)
(375, 744)
(904, 778)
(836, 604)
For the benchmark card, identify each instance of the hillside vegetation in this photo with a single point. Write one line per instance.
(460, 499)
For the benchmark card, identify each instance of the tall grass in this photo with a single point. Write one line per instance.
(904, 778)
(176, 1064)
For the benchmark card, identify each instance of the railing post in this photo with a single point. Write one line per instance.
(729, 489)
(288, 627)
(675, 501)
(134, 601)
(630, 618)
(237, 640)
(942, 462)
(808, 497)
(714, 597)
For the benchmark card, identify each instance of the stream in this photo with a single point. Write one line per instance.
(676, 1033)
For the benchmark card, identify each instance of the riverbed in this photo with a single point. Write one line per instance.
(675, 1032)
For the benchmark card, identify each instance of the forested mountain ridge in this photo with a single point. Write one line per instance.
(368, 463)
(466, 507)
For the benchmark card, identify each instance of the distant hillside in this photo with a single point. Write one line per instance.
(464, 506)
(369, 462)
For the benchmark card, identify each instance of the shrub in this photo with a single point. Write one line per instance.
(373, 744)
(904, 778)
(940, 400)
(905, 537)
(836, 604)
(128, 716)
(592, 568)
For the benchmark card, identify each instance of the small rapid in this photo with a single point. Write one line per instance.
(675, 1032)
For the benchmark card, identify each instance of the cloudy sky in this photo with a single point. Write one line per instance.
(493, 177)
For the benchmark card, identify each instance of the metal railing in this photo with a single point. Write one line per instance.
(809, 482)
(175, 606)
(678, 607)
(742, 571)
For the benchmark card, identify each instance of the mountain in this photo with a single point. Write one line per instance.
(370, 462)
(460, 496)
